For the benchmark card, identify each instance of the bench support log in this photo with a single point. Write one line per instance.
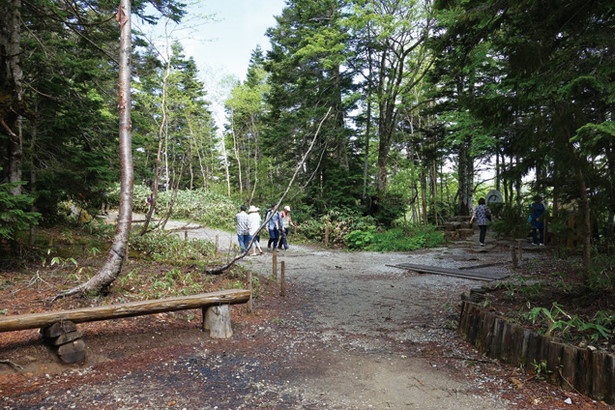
(218, 322)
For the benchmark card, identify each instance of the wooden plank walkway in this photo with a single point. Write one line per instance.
(464, 274)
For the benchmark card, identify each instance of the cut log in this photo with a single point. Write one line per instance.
(37, 320)
(218, 322)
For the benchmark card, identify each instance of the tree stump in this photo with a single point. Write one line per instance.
(218, 322)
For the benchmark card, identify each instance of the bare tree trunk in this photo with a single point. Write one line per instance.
(11, 90)
(154, 201)
(424, 196)
(587, 227)
(162, 135)
(236, 151)
(117, 255)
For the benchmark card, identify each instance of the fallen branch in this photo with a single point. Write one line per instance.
(15, 366)
(222, 269)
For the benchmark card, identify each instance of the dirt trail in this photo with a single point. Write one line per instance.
(368, 329)
(351, 333)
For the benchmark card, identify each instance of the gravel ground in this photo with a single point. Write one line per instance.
(352, 332)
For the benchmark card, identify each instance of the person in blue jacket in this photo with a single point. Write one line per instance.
(537, 211)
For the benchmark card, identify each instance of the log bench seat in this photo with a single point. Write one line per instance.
(58, 328)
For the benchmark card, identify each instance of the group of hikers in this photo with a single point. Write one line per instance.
(248, 221)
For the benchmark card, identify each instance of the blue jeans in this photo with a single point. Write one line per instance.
(538, 234)
(273, 238)
(243, 240)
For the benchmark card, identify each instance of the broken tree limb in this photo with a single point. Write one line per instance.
(224, 268)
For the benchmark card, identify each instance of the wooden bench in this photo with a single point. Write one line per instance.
(59, 328)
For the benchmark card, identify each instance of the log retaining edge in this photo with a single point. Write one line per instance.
(590, 372)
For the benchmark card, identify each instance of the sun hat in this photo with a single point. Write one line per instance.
(253, 209)
(287, 208)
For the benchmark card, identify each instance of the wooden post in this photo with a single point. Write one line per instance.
(520, 249)
(283, 278)
(250, 302)
(326, 234)
(218, 322)
(600, 375)
(274, 261)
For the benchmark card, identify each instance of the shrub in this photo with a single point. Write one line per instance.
(406, 239)
(14, 214)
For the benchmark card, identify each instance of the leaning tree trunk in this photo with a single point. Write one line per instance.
(117, 255)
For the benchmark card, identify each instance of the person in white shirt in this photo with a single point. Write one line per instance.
(254, 222)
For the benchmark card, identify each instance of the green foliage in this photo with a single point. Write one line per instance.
(558, 322)
(406, 239)
(204, 206)
(601, 276)
(511, 221)
(162, 247)
(540, 369)
(391, 207)
(14, 214)
(339, 222)
(361, 239)
(348, 228)
(522, 289)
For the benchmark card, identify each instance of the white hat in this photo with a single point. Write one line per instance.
(287, 208)
(253, 209)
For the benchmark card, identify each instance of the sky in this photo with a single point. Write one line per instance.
(225, 42)
(220, 35)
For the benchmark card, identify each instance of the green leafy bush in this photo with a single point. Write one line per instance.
(557, 322)
(338, 222)
(406, 239)
(360, 239)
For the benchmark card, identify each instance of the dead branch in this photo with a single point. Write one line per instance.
(222, 269)
(14, 365)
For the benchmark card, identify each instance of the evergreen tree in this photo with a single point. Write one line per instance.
(307, 78)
